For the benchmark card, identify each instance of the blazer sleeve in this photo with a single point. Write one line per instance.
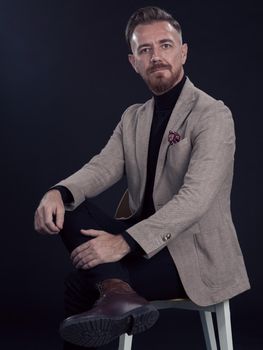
(101, 172)
(213, 147)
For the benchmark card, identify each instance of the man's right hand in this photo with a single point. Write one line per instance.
(49, 216)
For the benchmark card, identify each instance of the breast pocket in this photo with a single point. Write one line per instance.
(178, 157)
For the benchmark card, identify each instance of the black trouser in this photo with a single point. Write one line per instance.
(154, 278)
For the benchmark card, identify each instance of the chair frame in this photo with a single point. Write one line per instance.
(222, 311)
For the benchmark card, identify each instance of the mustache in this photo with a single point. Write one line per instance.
(157, 66)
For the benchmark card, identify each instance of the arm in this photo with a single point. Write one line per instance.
(66, 195)
(101, 172)
(97, 175)
(211, 160)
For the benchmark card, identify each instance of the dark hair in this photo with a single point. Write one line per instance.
(147, 15)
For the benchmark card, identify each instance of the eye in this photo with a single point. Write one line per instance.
(145, 50)
(166, 45)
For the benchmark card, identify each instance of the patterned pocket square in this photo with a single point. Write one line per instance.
(173, 137)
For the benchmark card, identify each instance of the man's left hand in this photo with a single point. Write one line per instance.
(103, 248)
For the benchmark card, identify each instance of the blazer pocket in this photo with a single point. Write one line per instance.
(216, 262)
(179, 144)
(178, 156)
(179, 149)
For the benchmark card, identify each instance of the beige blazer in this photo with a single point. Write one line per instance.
(191, 191)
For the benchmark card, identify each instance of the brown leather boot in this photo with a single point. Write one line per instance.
(118, 310)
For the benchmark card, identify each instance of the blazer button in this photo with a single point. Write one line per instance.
(166, 237)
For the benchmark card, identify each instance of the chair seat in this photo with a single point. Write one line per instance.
(221, 310)
(185, 304)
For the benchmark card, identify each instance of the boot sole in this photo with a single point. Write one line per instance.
(97, 331)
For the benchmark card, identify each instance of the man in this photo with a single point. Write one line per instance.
(177, 151)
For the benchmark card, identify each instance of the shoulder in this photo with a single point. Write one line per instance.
(208, 112)
(135, 111)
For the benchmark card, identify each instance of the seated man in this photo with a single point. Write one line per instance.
(177, 152)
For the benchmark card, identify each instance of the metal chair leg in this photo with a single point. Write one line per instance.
(224, 326)
(208, 330)
(125, 342)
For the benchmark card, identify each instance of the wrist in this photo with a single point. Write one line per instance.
(53, 192)
(124, 245)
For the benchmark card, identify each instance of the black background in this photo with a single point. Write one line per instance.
(65, 80)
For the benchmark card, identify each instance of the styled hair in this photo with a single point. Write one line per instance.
(148, 15)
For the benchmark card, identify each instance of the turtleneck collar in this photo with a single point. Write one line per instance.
(168, 100)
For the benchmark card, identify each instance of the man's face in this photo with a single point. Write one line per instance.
(158, 55)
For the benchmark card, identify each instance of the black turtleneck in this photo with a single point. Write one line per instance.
(163, 106)
(167, 101)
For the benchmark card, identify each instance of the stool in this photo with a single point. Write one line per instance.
(221, 310)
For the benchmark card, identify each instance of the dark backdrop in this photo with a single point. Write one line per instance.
(65, 80)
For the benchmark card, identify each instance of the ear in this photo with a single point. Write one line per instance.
(184, 52)
(132, 62)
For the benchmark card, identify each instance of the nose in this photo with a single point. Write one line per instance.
(155, 59)
(155, 56)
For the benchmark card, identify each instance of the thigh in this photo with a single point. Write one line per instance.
(155, 278)
(87, 216)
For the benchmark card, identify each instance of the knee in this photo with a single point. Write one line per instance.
(73, 218)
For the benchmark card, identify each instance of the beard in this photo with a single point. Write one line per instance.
(158, 83)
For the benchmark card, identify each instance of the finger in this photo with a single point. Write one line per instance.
(81, 261)
(36, 222)
(91, 232)
(40, 227)
(51, 227)
(48, 221)
(91, 264)
(79, 249)
(60, 212)
(39, 221)
(83, 257)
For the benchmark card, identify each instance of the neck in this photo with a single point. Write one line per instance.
(170, 88)
(168, 99)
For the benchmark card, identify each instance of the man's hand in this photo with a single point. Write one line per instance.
(49, 216)
(103, 248)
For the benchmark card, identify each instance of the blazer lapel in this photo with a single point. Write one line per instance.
(142, 141)
(180, 112)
